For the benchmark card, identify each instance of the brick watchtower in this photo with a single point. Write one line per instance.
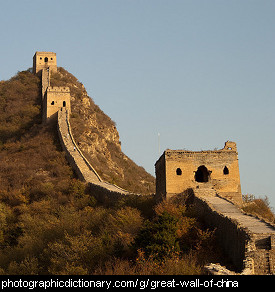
(53, 98)
(179, 170)
(44, 60)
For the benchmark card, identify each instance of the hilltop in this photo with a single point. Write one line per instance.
(94, 131)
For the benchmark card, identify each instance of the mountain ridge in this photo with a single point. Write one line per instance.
(98, 138)
(93, 130)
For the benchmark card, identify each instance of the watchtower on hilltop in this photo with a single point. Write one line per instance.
(44, 60)
(56, 98)
(179, 170)
(53, 98)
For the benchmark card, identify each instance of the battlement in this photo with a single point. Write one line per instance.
(58, 89)
(229, 147)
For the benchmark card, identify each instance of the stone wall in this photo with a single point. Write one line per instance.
(160, 169)
(109, 194)
(248, 242)
(45, 80)
(232, 237)
(77, 160)
(103, 191)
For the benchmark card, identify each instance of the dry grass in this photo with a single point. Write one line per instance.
(176, 265)
(258, 207)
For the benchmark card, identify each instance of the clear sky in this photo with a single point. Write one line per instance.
(199, 72)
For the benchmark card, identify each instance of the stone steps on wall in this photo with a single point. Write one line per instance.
(230, 210)
(114, 188)
(73, 151)
(260, 238)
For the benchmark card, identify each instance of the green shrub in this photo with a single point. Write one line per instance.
(158, 238)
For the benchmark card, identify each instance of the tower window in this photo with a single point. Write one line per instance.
(52, 103)
(225, 170)
(178, 171)
(64, 103)
(46, 59)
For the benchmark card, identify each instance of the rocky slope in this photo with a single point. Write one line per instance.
(98, 138)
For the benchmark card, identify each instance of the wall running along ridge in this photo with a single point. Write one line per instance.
(60, 110)
(248, 241)
(103, 191)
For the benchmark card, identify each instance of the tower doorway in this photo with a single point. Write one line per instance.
(202, 174)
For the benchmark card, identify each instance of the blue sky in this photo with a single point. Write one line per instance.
(199, 72)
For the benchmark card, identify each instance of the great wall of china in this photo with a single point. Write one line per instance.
(249, 242)
(80, 164)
